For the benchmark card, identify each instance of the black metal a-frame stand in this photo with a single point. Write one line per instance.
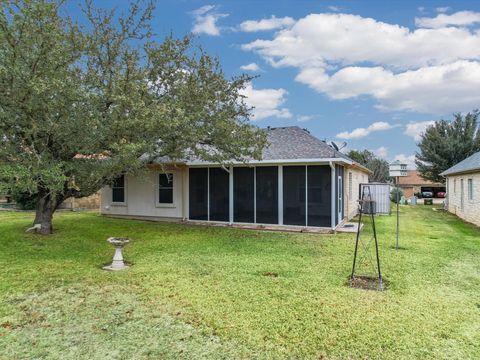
(366, 207)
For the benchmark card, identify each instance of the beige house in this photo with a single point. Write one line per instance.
(463, 189)
(300, 183)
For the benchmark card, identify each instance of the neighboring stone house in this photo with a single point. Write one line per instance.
(413, 184)
(300, 182)
(463, 189)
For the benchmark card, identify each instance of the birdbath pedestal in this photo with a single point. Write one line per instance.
(117, 263)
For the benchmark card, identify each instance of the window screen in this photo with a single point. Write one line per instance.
(165, 188)
(319, 196)
(243, 194)
(267, 194)
(198, 193)
(118, 189)
(294, 195)
(219, 194)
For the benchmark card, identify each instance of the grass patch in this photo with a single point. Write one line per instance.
(210, 292)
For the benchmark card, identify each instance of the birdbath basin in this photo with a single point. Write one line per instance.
(117, 262)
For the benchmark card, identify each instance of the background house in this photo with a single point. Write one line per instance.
(413, 184)
(300, 182)
(463, 189)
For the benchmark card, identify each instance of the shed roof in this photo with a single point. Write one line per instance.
(472, 163)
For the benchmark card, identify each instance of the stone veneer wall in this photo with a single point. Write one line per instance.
(471, 207)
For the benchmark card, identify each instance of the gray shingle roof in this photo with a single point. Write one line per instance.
(293, 142)
(471, 163)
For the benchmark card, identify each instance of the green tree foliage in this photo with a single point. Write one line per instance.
(396, 194)
(371, 162)
(81, 104)
(446, 143)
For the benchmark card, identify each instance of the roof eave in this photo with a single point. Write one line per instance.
(276, 162)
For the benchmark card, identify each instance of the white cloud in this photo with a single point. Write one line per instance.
(304, 118)
(333, 8)
(442, 9)
(406, 159)
(461, 18)
(362, 132)
(381, 152)
(266, 24)
(416, 129)
(266, 102)
(344, 56)
(250, 67)
(206, 20)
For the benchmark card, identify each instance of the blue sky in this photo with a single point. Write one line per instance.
(370, 73)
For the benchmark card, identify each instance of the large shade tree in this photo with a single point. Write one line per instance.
(378, 166)
(80, 105)
(446, 143)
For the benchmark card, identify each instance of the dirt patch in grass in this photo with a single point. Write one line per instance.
(270, 274)
(367, 283)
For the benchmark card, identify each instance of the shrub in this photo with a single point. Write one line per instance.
(24, 201)
(393, 194)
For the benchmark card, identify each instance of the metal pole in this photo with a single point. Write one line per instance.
(398, 214)
(376, 249)
(358, 234)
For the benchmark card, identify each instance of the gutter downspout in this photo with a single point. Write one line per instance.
(333, 206)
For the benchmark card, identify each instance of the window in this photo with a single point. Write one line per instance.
(165, 188)
(454, 186)
(118, 190)
(470, 189)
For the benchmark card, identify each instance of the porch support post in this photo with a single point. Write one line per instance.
(280, 194)
(333, 205)
(230, 194)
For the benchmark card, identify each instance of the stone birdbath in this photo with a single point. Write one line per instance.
(117, 263)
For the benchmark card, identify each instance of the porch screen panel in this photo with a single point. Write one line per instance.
(198, 193)
(219, 194)
(243, 194)
(319, 196)
(294, 196)
(267, 194)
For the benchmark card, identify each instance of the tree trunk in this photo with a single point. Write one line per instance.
(46, 206)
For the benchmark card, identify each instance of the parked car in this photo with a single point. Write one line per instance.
(427, 194)
(441, 194)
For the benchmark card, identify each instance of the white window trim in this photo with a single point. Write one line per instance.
(157, 189)
(125, 193)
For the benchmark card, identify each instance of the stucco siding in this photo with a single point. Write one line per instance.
(469, 208)
(141, 194)
(352, 179)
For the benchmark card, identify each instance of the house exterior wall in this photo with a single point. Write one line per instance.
(141, 194)
(470, 211)
(353, 177)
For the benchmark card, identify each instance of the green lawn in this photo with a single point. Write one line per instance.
(200, 292)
